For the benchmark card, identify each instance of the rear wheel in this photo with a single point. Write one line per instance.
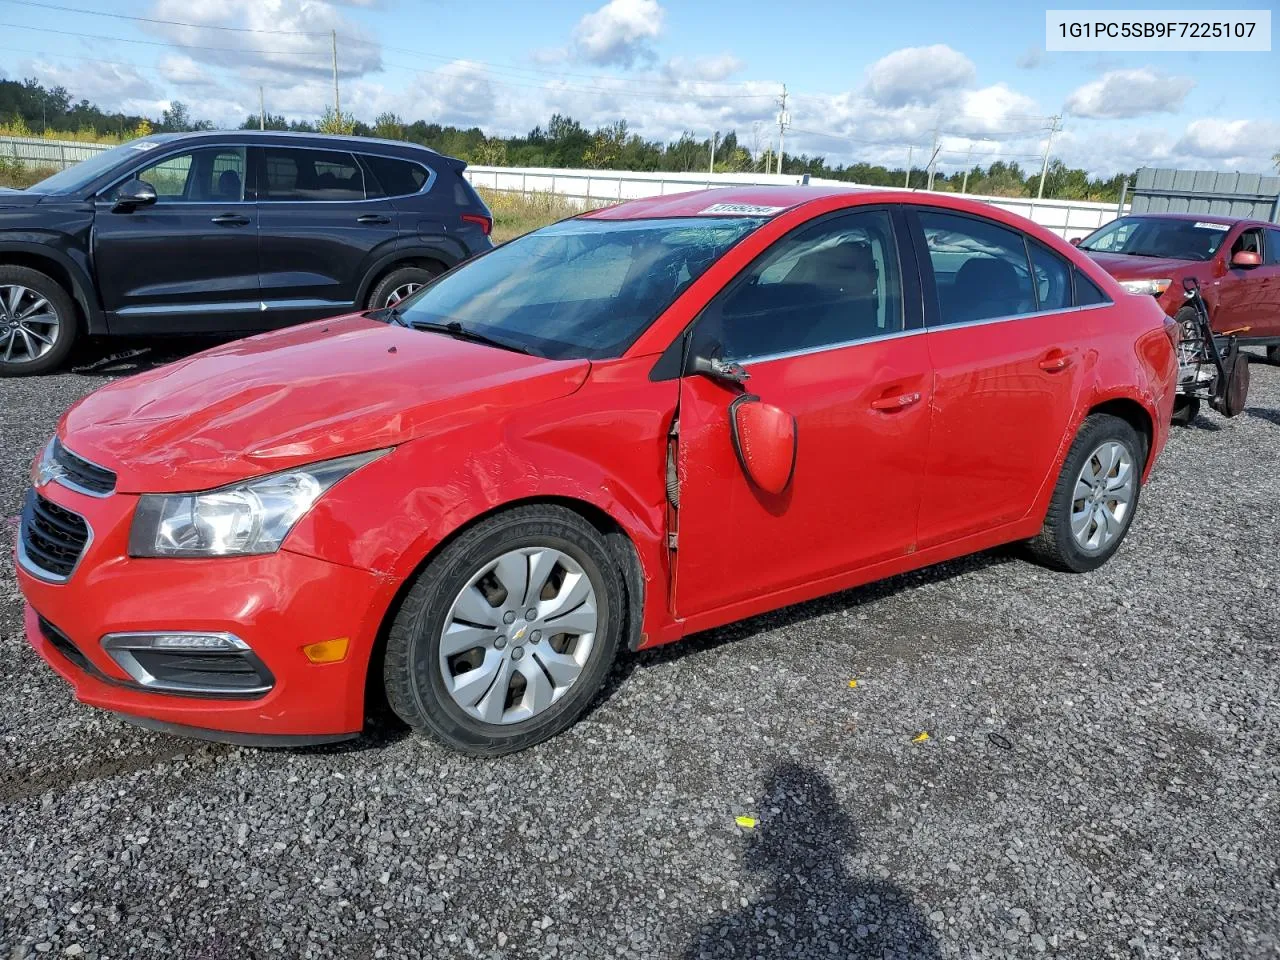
(507, 636)
(1273, 354)
(398, 284)
(37, 322)
(1095, 498)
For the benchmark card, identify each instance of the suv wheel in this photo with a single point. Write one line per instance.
(507, 636)
(37, 322)
(1095, 498)
(398, 284)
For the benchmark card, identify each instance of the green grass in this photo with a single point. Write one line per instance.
(515, 214)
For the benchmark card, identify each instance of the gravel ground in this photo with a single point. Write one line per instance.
(1100, 777)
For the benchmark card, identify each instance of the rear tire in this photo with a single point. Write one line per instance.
(38, 322)
(398, 284)
(1085, 526)
(1273, 354)
(461, 618)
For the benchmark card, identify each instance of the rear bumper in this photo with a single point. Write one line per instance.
(276, 604)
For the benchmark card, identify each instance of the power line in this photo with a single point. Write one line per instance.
(171, 23)
(166, 43)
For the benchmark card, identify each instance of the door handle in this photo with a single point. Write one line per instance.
(373, 218)
(1056, 362)
(899, 401)
(230, 220)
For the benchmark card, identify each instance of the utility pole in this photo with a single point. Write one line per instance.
(907, 183)
(337, 103)
(262, 109)
(933, 156)
(968, 161)
(784, 119)
(1044, 169)
(715, 135)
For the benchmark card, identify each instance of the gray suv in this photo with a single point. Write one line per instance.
(234, 232)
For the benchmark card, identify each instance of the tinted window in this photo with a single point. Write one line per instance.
(831, 283)
(1052, 278)
(1273, 245)
(398, 178)
(1088, 292)
(210, 175)
(1158, 237)
(312, 175)
(580, 288)
(979, 267)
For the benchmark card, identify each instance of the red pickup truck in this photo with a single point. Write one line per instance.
(1236, 261)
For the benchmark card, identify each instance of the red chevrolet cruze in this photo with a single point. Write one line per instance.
(632, 425)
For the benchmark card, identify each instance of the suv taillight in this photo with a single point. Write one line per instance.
(485, 223)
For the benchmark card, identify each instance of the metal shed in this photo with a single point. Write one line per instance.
(1249, 195)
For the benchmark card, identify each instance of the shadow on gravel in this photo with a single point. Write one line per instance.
(122, 357)
(1264, 413)
(790, 616)
(813, 907)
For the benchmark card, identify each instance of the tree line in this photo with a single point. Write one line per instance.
(27, 105)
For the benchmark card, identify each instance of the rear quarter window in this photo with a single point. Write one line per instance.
(1087, 292)
(398, 178)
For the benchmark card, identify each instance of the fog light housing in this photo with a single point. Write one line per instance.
(190, 663)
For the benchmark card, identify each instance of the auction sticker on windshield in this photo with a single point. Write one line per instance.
(1212, 226)
(741, 210)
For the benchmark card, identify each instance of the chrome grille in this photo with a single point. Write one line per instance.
(51, 540)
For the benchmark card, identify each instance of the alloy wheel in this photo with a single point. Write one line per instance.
(1103, 496)
(402, 291)
(518, 635)
(28, 324)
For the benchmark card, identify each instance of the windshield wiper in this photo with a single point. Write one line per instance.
(454, 329)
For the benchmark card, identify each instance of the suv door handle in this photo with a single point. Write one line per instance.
(1056, 361)
(899, 401)
(230, 220)
(373, 218)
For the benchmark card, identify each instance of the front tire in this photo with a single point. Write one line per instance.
(38, 324)
(507, 636)
(1096, 496)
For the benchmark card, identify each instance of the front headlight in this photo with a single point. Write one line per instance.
(245, 518)
(1151, 287)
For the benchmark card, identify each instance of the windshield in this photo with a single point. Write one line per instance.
(581, 288)
(78, 175)
(1158, 237)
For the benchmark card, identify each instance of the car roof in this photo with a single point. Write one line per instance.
(1201, 217)
(754, 201)
(293, 137)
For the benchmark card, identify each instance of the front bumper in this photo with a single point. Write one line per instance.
(276, 604)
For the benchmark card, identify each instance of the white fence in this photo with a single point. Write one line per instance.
(1067, 218)
(39, 152)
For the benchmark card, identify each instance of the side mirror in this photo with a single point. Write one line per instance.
(765, 440)
(1075, 241)
(132, 194)
(1246, 259)
(725, 371)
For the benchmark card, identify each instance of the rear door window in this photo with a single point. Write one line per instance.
(1052, 278)
(980, 268)
(316, 175)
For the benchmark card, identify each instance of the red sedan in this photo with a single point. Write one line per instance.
(635, 424)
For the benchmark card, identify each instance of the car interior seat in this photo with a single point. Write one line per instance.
(985, 287)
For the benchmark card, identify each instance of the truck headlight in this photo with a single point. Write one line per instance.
(1152, 287)
(246, 518)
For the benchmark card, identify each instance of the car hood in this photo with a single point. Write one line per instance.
(19, 198)
(1139, 268)
(295, 396)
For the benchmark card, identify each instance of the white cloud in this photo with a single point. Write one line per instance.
(1030, 58)
(1231, 139)
(918, 74)
(718, 67)
(304, 50)
(1129, 93)
(620, 33)
(109, 85)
